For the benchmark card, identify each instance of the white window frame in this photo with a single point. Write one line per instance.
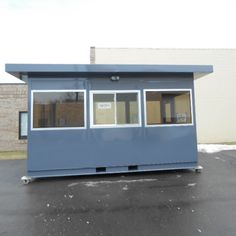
(58, 128)
(92, 125)
(167, 90)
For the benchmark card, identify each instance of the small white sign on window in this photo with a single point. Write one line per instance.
(181, 117)
(104, 105)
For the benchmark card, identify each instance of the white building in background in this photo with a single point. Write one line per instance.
(215, 94)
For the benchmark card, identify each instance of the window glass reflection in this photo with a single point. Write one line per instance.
(170, 107)
(58, 109)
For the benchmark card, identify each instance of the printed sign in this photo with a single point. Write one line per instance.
(104, 105)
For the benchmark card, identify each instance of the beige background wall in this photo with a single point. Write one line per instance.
(13, 98)
(215, 93)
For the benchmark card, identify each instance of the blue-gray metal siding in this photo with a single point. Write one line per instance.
(66, 151)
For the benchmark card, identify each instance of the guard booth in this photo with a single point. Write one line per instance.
(96, 119)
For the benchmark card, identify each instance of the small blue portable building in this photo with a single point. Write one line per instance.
(93, 119)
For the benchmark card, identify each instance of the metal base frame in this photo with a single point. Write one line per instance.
(109, 170)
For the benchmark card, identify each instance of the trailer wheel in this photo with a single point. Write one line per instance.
(26, 180)
(199, 169)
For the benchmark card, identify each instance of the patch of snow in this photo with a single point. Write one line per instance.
(212, 148)
(91, 184)
(125, 188)
(72, 184)
(192, 185)
(96, 183)
(218, 158)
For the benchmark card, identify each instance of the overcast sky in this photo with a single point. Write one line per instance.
(62, 31)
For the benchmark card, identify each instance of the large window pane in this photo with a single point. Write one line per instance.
(127, 108)
(153, 106)
(104, 109)
(183, 108)
(58, 109)
(170, 107)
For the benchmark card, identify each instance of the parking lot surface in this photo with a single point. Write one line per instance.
(154, 203)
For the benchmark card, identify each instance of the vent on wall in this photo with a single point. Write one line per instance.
(132, 168)
(101, 169)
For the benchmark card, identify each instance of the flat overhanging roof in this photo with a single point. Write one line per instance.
(45, 69)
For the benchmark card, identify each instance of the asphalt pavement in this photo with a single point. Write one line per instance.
(153, 203)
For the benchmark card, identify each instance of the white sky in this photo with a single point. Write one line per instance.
(62, 31)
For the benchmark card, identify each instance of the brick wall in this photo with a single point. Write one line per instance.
(13, 99)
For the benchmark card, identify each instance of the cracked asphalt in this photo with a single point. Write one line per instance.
(153, 203)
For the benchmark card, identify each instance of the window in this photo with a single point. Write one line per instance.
(23, 120)
(170, 107)
(58, 109)
(115, 108)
